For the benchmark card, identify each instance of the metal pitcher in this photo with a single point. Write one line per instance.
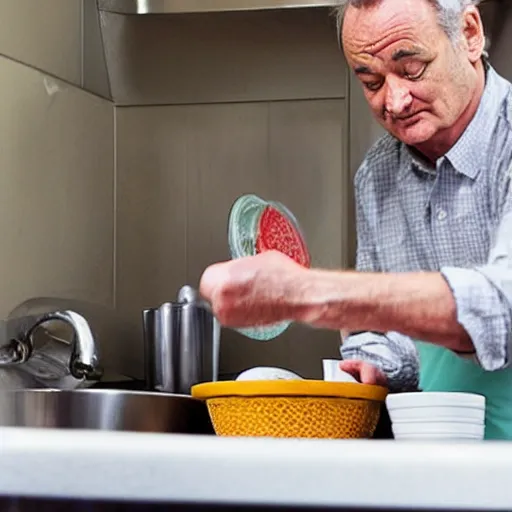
(182, 343)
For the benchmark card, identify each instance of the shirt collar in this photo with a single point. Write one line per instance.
(468, 154)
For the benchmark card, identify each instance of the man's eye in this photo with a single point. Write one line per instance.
(415, 72)
(373, 86)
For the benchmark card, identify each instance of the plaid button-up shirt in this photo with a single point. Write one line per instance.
(454, 217)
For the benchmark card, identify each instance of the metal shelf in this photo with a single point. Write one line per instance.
(199, 6)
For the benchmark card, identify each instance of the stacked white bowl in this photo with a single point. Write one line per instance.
(437, 415)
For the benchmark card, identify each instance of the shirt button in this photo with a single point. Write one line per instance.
(441, 214)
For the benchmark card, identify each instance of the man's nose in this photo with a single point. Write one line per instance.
(398, 96)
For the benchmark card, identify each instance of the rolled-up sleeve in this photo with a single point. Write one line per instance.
(393, 353)
(483, 297)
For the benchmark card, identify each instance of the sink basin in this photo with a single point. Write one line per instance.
(104, 409)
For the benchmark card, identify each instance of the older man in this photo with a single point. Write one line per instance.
(434, 216)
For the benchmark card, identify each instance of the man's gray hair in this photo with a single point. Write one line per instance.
(449, 13)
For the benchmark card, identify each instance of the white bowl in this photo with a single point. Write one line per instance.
(437, 421)
(436, 437)
(434, 399)
(437, 413)
(453, 429)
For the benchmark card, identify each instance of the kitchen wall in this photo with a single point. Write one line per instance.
(498, 22)
(56, 160)
(210, 107)
(119, 183)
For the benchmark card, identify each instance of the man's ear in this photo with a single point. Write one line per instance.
(473, 33)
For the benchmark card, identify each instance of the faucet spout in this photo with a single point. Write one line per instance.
(18, 345)
(84, 361)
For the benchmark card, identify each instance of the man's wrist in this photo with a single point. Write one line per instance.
(316, 296)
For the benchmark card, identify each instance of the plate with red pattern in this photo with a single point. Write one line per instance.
(256, 226)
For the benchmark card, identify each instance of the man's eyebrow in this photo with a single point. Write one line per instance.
(363, 70)
(400, 54)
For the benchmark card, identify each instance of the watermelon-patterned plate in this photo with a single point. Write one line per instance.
(256, 226)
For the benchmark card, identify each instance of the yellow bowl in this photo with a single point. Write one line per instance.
(292, 408)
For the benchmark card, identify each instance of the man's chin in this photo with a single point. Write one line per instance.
(412, 135)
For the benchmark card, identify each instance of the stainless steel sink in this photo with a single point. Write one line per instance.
(104, 409)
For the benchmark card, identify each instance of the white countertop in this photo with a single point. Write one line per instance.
(177, 468)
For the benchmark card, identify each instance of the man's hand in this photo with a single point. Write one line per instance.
(364, 372)
(252, 291)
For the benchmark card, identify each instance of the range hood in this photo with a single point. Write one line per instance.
(180, 52)
(204, 6)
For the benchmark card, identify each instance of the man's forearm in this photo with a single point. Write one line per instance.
(419, 305)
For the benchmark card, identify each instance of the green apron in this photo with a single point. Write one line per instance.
(442, 370)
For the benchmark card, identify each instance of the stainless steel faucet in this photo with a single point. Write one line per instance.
(24, 362)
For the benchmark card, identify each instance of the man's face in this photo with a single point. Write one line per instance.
(417, 82)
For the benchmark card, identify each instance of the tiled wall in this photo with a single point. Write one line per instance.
(46, 35)
(179, 170)
(148, 186)
(56, 189)
(211, 107)
(56, 161)
(267, 115)
(502, 42)
(59, 37)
